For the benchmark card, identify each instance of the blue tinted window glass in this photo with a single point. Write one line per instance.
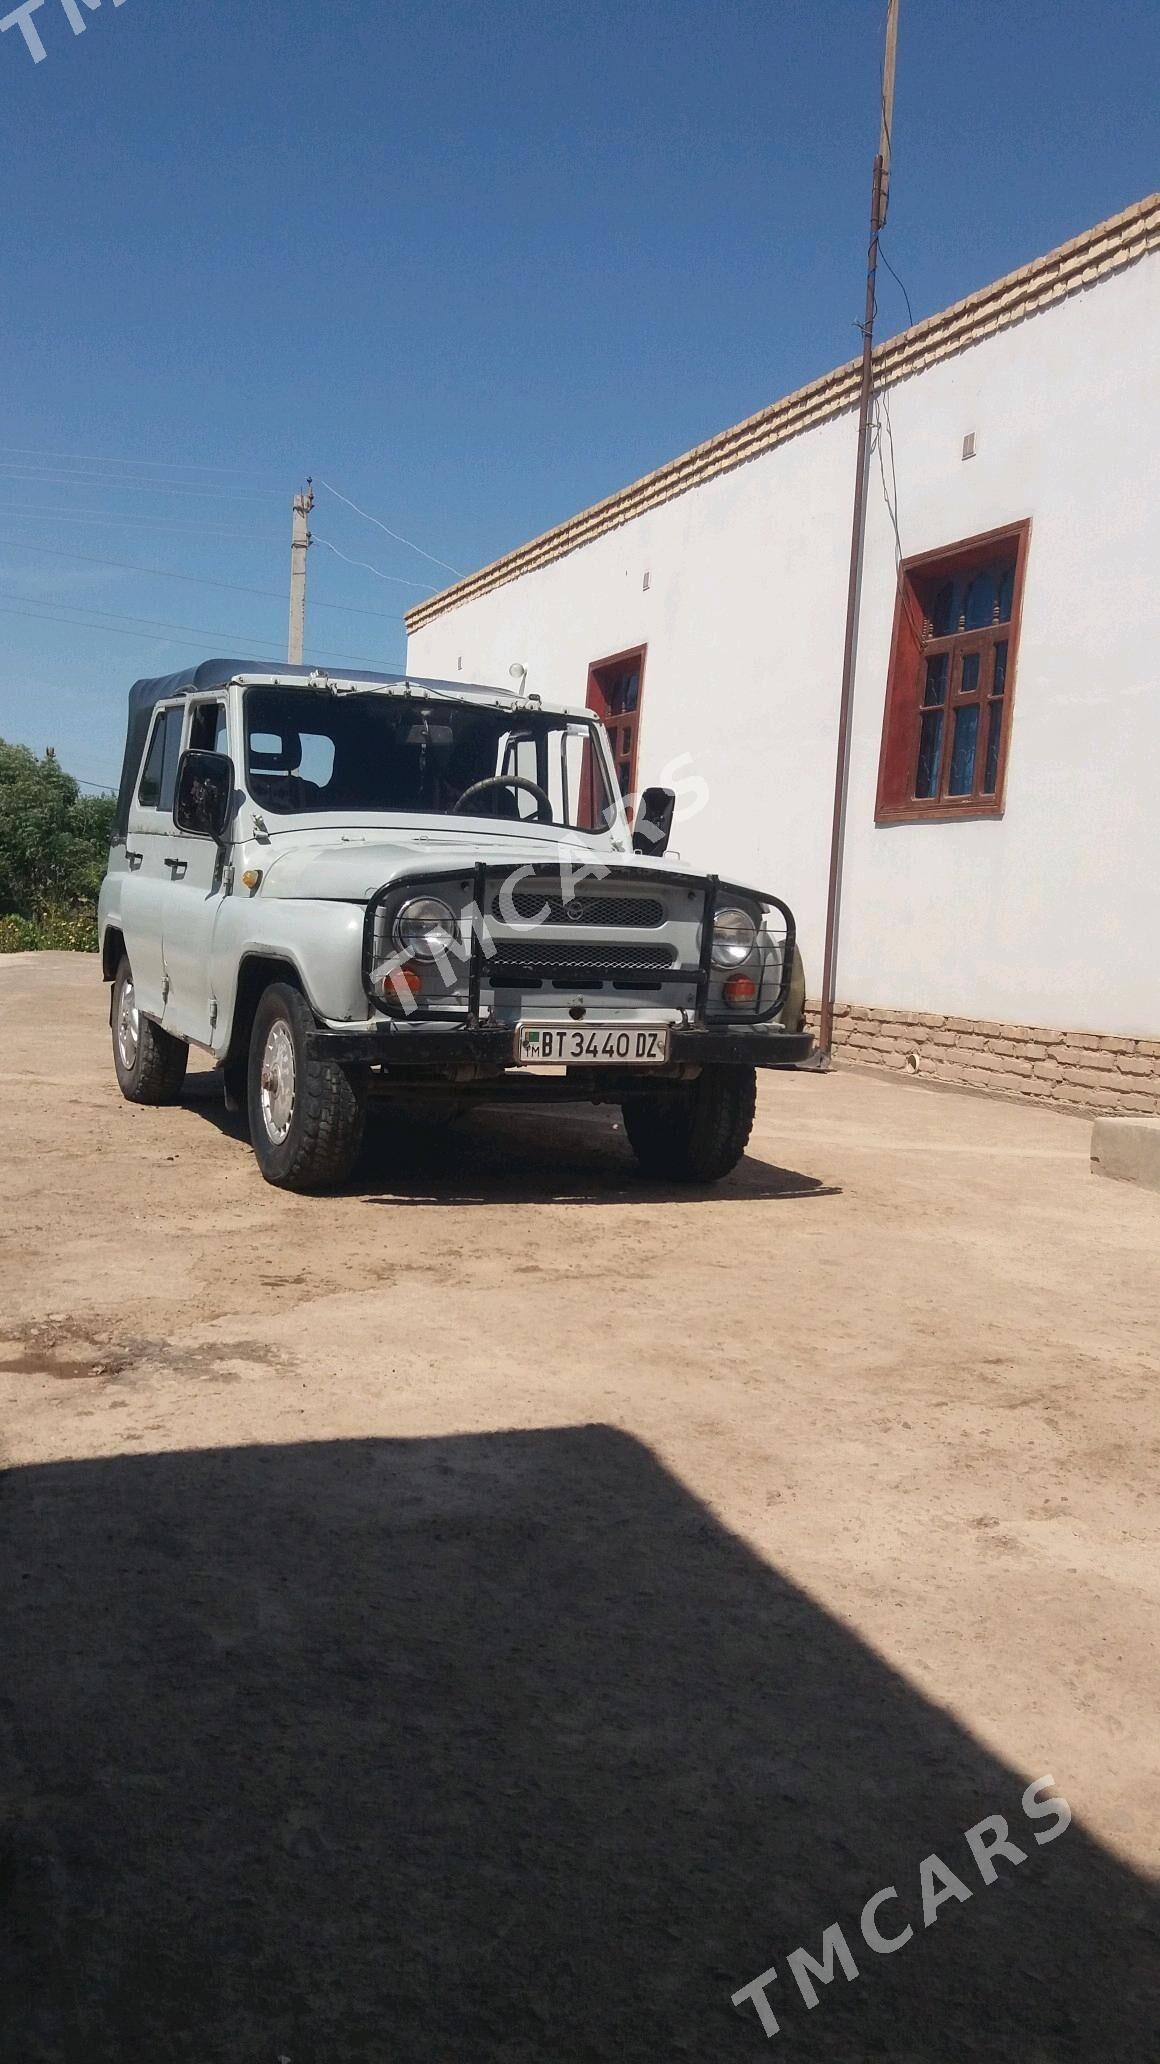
(979, 608)
(1000, 677)
(994, 736)
(944, 616)
(935, 686)
(929, 754)
(1006, 594)
(969, 678)
(962, 778)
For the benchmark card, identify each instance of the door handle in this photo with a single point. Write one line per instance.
(134, 859)
(178, 866)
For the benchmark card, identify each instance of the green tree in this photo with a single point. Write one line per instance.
(54, 841)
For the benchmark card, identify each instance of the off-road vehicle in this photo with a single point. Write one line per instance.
(344, 885)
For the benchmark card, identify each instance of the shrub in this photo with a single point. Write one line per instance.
(57, 931)
(53, 845)
(18, 935)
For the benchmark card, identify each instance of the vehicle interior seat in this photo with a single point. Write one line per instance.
(275, 781)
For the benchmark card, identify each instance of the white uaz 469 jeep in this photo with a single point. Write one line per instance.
(349, 884)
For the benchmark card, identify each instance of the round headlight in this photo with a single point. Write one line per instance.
(425, 927)
(734, 937)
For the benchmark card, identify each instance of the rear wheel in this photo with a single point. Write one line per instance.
(306, 1115)
(150, 1063)
(697, 1131)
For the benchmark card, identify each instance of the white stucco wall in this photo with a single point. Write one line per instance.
(1050, 915)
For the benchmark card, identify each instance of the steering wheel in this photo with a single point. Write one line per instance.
(478, 788)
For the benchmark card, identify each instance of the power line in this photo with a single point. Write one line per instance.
(397, 535)
(201, 580)
(43, 476)
(115, 631)
(897, 281)
(89, 459)
(150, 624)
(126, 616)
(883, 424)
(103, 516)
(398, 578)
(82, 780)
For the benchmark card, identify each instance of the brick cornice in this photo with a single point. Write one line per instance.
(1105, 249)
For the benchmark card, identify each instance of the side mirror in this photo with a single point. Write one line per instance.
(204, 794)
(654, 821)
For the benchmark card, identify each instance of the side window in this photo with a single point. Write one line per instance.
(159, 774)
(560, 761)
(521, 759)
(207, 727)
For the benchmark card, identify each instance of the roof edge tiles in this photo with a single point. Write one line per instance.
(1105, 249)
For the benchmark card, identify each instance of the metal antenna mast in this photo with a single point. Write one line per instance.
(879, 194)
(299, 546)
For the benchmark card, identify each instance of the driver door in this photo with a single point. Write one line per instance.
(193, 900)
(146, 883)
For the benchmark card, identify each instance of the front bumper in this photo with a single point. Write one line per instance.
(408, 1046)
(476, 1043)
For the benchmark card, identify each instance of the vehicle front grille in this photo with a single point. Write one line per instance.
(569, 959)
(533, 903)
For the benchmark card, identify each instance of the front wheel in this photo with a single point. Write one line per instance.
(697, 1131)
(150, 1063)
(306, 1115)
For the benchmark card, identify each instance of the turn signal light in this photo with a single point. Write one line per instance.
(251, 877)
(402, 978)
(738, 990)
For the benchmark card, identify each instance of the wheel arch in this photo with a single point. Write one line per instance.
(112, 949)
(256, 972)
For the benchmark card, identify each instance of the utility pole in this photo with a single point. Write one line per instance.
(879, 194)
(299, 546)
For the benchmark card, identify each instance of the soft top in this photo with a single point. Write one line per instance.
(218, 673)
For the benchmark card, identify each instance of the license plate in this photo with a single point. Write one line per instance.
(593, 1045)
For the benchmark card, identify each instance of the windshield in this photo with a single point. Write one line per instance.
(309, 752)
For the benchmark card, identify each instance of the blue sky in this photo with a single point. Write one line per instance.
(474, 266)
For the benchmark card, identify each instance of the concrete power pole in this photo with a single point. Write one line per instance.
(879, 191)
(299, 546)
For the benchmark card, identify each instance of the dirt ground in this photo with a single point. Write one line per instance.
(497, 1612)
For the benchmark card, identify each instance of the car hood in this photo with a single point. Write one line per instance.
(352, 867)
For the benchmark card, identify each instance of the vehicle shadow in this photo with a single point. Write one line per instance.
(493, 1747)
(491, 1155)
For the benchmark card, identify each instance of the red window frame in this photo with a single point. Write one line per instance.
(607, 694)
(980, 669)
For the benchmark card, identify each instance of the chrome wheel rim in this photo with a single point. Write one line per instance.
(279, 1082)
(128, 1024)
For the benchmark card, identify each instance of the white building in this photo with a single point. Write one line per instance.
(1001, 903)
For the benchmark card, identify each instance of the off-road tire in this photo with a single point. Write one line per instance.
(155, 1072)
(325, 1127)
(696, 1132)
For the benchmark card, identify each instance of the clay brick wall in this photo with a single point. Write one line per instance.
(1075, 1071)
